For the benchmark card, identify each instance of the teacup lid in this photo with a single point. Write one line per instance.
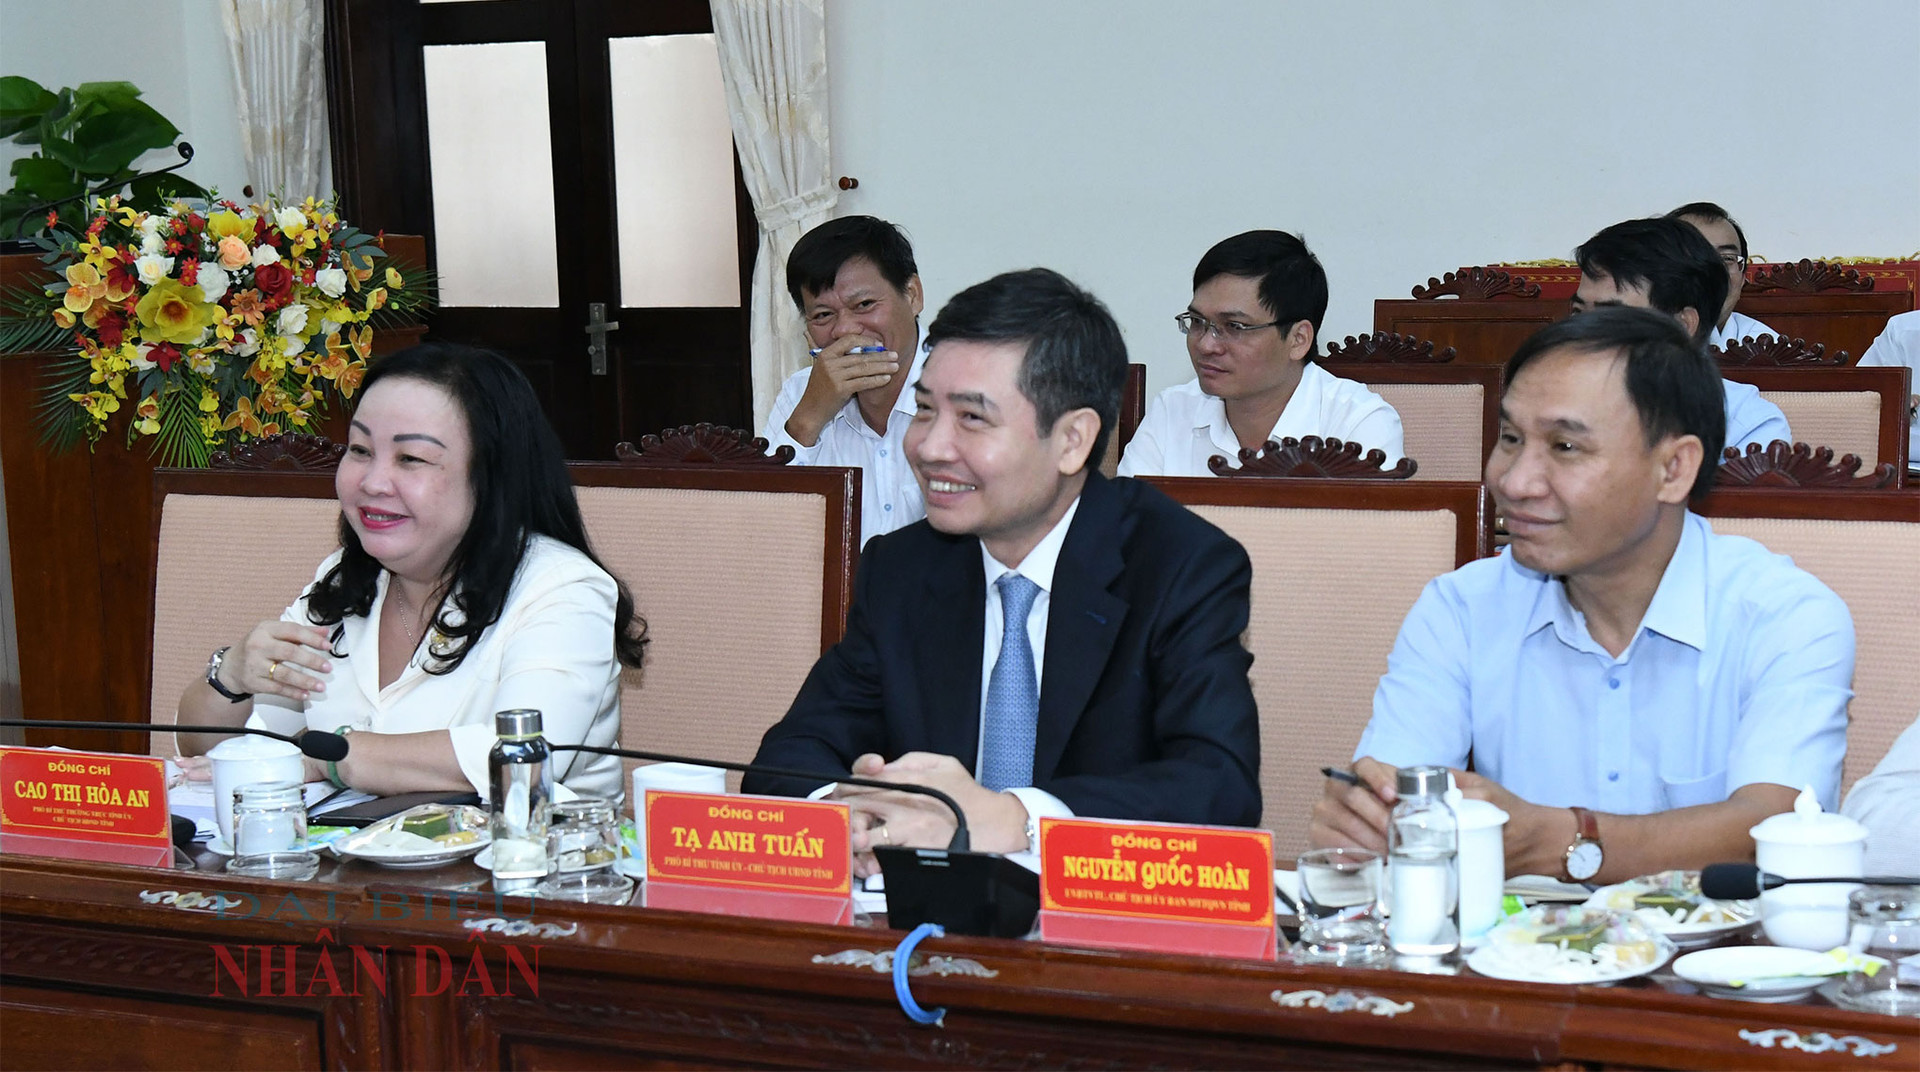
(1807, 824)
(248, 746)
(1478, 814)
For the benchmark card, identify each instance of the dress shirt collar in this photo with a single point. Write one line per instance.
(1678, 610)
(1039, 563)
(1299, 419)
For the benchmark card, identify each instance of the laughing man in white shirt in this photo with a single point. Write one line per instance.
(858, 290)
(1730, 242)
(1663, 264)
(1251, 330)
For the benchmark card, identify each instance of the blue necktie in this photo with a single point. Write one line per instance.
(1013, 696)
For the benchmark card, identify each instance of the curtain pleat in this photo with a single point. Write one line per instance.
(278, 50)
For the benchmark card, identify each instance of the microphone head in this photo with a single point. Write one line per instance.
(323, 746)
(1730, 882)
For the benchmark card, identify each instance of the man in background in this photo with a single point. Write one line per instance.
(1730, 242)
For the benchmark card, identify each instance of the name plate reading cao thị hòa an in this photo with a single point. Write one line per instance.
(773, 857)
(1206, 890)
(84, 805)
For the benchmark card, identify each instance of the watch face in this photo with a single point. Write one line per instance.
(1583, 860)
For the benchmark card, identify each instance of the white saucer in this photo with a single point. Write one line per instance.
(1768, 972)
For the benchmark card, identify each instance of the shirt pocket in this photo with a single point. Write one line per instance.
(1687, 792)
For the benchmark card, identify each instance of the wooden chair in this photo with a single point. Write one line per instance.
(1832, 304)
(1336, 566)
(1313, 458)
(1449, 413)
(1482, 313)
(1782, 465)
(744, 574)
(1863, 545)
(1860, 411)
(1133, 408)
(701, 444)
(1769, 352)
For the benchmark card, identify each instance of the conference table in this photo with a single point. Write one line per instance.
(112, 966)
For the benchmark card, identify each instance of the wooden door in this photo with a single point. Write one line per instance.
(542, 228)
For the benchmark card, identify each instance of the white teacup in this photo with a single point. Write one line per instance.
(671, 777)
(1483, 865)
(1805, 843)
(245, 760)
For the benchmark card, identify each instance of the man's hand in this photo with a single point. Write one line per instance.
(1355, 816)
(838, 376)
(996, 821)
(1536, 836)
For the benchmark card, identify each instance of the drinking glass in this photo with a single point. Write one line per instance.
(583, 843)
(1340, 918)
(1884, 922)
(270, 832)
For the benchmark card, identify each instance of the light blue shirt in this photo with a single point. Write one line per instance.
(1740, 673)
(1752, 419)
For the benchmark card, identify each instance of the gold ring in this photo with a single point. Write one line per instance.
(271, 667)
(885, 833)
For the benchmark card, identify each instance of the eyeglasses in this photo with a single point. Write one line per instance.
(1733, 260)
(1195, 324)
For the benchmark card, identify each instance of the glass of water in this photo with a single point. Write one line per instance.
(1340, 917)
(583, 844)
(270, 833)
(1884, 922)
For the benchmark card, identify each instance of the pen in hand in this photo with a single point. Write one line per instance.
(1339, 775)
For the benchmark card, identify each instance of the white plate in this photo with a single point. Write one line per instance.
(411, 859)
(1490, 957)
(1768, 972)
(1683, 935)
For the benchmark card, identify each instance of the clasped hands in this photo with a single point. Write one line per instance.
(996, 822)
(1536, 837)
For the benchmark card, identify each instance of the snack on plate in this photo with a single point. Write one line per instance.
(426, 830)
(1572, 944)
(1671, 901)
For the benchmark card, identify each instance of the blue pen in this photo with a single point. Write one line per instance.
(815, 352)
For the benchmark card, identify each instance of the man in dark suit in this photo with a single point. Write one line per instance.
(1046, 642)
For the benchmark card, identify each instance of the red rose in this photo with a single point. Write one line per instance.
(275, 282)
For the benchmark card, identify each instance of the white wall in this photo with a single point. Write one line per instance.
(1115, 140)
(174, 50)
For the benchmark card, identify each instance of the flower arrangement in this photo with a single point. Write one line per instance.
(216, 324)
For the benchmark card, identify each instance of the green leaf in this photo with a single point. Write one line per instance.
(59, 148)
(179, 441)
(44, 179)
(22, 102)
(152, 192)
(111, 95)
(110, 142)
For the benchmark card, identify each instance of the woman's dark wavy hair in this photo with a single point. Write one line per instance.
(521, 489)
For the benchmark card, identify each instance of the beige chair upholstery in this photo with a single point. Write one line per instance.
(1331, 585)
(1871, 565)
(224, 563)
(731, 585)
(1441, 423)
(1847, 421)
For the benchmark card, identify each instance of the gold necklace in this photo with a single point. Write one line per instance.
(410, 617)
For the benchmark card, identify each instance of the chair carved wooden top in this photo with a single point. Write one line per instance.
(701, 444)
(1477, 284)
(1780, 465)
(1808, 277)
(1386, 348)
(1313, 457)
(298, 452)
(1769, 352)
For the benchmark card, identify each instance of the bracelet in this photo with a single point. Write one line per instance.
(333, 765)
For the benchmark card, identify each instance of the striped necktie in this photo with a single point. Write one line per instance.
(1013, 694)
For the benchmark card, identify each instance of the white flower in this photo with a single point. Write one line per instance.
(293, 321)
(201, 339)
(331, 281)
(153, 268)
(294, 346)
(152, 244)
(327, 327)
(150, 225)
(291, 220)
(265, 255)
(248, 344)
(141, 360)
(213, 281)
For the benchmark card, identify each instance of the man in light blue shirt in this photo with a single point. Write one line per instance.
(1664, 264)
(1633, 689)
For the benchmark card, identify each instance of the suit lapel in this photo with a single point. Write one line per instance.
(948, 640)
(1083, 620)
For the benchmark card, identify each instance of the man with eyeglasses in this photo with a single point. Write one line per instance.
(1251, 330)
(1730, 242)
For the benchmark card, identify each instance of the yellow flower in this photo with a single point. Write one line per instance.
(393, 278)
(174, 313)
(149, 415)
(63, 319)
(84, 287)
(209, 402)
(98, 404)
(377, 298)
(229, 225)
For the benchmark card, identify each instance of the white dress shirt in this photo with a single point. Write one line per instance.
(1037, 567)
(1751, 418)
(1739, 673)
(1739, 326)
(1899, 344)
(889, 495)
(551, 649)
(1887, 803)
(1184, 426)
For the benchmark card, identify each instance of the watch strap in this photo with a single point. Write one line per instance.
(1589, 824)
(213, 677)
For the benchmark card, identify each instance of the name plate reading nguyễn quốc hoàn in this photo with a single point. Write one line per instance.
(1191, 889)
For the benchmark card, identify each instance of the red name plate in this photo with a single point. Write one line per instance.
(1192, 889)
(773, 857)
(85, 805)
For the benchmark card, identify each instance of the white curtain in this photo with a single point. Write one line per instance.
(278, 49)
(773, 57)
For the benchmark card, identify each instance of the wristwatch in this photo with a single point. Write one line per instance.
(1586, 854)
(213, 678)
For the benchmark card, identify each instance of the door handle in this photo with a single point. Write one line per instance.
(597, 327)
